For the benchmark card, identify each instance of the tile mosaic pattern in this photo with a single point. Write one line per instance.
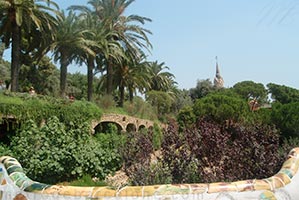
(272, 188)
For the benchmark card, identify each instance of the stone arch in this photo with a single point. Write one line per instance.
(127, 123)
(150, 128)
(103, 127)
(141, 127)
(8, 125)
(131, 127)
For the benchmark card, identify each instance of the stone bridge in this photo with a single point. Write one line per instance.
(123, 122)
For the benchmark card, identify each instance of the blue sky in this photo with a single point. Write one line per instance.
(254, 39)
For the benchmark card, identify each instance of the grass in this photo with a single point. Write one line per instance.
(87, 180)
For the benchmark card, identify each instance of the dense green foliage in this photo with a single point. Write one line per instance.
(202, 89)
(186, 117)
(286, 118)
(282, 93)
(5, 150)
(43, 76)
(54, 152)
(26, 106)
(251, 90)
(221, 107)
(162, 102)
(26, 26)
(157, 137)
(140, 108)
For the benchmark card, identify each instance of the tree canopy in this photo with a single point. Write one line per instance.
(250, 90)
(282, 93)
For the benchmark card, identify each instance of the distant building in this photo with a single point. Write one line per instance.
(218, 80)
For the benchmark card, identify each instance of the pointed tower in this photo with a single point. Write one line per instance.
(218, 80)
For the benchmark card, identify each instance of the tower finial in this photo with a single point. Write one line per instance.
(217, 68)
(218, 80)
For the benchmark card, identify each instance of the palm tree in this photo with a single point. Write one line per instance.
(69, 43)
(161, 80)
(21, 16)
(102, 47)
(132, 74)
(125, 31)
(87, 22)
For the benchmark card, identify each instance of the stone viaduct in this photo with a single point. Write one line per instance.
(123, 122)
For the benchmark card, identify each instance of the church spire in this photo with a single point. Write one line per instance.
(217, 68)
(218, 80)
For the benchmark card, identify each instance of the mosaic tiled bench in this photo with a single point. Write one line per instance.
(15, 185)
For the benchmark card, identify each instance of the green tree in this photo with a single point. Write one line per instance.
(23, 16)
(186, 117)
(162, 101)
(120, 38)
(133, 74)
(42, 75)
(202, 89)
(182, 99)
(102, 47)
(160, 80)
(127, 30)
(77, 85)
(221, 107)
(69, 43)
(282, 93)
(286, 118)
(251, 90)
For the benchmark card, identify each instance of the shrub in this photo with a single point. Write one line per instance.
(110, 140)
(157, 137)
(153, 174)
(176, 154)
(186, 117)
(287, 145)
(161, 101)
(39, 108)
(55, 153)
(140, 108)
(5, 150)
(221, 153)
(137, 149)
(106, 102)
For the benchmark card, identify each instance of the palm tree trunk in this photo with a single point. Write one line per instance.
(15, 58)
(90, 67)
(63, 75)
(131, 94)
(121, 95)
(109, 87)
